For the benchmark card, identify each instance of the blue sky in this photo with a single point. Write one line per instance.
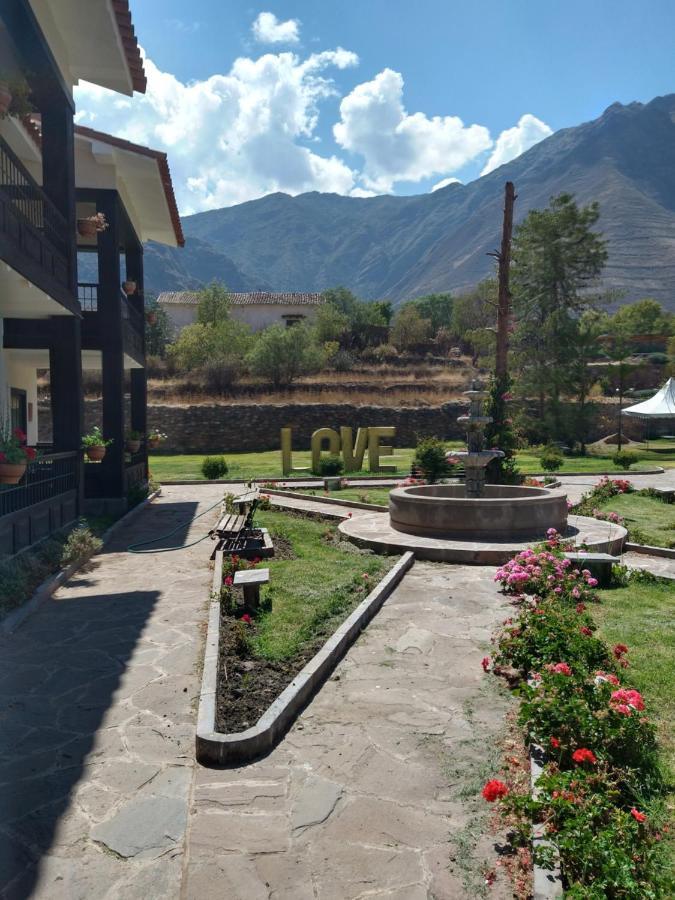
(376, 96)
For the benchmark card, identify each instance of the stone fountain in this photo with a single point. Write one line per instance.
(474, 510)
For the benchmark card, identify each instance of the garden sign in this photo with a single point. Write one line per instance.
(343, 444)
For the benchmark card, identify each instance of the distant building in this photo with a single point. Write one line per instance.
(259, 309)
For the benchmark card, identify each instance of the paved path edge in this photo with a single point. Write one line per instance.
(52, 583)
(647, 550)
(213, 747)
(547, 883)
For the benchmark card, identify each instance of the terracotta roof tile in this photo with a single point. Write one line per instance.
(290, 298)
(132, 51)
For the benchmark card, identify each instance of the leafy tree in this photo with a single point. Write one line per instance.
(330, 324)
(558, 259)
(475, 309)
(500, 434)
(366, 320)
(283, 354)
(383, 309)
(582, 376)
(435, 307)
(158, 328)
(224, 344)
(214, 304)
(643, 317)
(409, 328)
(671, 355)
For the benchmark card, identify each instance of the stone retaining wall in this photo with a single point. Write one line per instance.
(219, 428)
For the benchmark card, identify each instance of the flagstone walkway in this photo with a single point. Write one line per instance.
(375, 790)
(97, 709)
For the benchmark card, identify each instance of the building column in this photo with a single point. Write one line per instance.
(58, 170)
(139, 409)
(112, 346)
(65, 376)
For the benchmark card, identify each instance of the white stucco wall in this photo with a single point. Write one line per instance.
(24, 377)
(257, 315)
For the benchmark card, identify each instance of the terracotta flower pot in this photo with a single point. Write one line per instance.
(129, 287)
(11, 473)
(86, 228)
(153, 443)
(5, 98)
(95, 453)
(133, 446)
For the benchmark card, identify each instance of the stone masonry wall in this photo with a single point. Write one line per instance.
(220, 428)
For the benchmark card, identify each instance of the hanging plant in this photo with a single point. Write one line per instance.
(129, 287)
(92, 225)
(15, 97)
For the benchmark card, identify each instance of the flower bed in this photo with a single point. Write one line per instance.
(315, 582)
(645, 513)
(600, 796)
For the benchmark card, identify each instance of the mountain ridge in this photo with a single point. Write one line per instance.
(400, 247)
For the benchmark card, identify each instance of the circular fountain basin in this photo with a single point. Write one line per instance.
(503, 512)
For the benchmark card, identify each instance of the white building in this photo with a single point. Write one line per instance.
(259, 309)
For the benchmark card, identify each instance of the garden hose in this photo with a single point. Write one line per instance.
(132, 548)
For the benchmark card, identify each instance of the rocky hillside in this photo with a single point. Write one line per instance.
(401, 247)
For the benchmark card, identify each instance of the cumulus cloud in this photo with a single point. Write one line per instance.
(269, 30)
(444, 182)
(398, 146)
(231, 137)
(514, 141)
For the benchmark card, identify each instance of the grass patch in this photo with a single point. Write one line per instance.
(377, 495)
(311, 593)
(267, 464)
(648, 519)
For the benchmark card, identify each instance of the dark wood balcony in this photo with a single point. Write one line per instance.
(133, 323)
(34, 236)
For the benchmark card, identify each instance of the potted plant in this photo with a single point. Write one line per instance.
(129, 287)
(151, 317)
(95, 445)
(155, 438)
(133, 441)
(14, 455)
(92, 225)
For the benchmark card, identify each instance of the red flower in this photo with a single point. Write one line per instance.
(349, 515)
(30, 452)
(560, 668)
(485, 663)
(229, 580)
(19, 435)
(554, 742)
(585, 630)
(583, 755)
(3, 458)
(581, 607)
(626, 698)
(494, 790)
(619, 650)
(637, 815)
(246, 618)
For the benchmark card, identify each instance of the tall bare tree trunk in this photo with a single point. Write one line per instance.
(504, 296)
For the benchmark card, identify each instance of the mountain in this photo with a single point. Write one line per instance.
(402, 247)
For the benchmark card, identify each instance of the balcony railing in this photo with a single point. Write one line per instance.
(133, 323)
(47, 477)
(31, 223)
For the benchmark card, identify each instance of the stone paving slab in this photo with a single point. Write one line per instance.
(97, 711)
(374, 791)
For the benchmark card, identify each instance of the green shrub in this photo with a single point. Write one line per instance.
(624, 459)
(551, 458)
(80, 544)
(330, 466)
(430, 459)
(214, 467)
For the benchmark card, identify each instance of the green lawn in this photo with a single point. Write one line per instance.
(377, 495)
(648, 520)
(267, 464)
(312, 593)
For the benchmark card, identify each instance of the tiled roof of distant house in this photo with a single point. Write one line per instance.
(291, 298)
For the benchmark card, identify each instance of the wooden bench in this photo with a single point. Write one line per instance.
(598, 564)
(230, 525)
(251, 580)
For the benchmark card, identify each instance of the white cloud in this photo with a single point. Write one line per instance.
(231, 137)
(269, 30)
(514, 141)
(444, 182)
(398, 146)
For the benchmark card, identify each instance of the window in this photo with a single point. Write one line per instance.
(293, 319)
(18, 409)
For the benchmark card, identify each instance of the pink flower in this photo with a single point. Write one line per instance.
(581, 607)
(229, 580)
(630, 698)
(602, 677)
(637, 815)
(246, 618)
(586, 631)
(560, 668)
(554, 742)
(507, 395)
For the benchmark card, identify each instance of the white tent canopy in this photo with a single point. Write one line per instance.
(660, 406)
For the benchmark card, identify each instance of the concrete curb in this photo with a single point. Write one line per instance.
(52, 583)
(654, 470)
(647, 550)
(547, 883)
(374, 479)
(212, 747)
